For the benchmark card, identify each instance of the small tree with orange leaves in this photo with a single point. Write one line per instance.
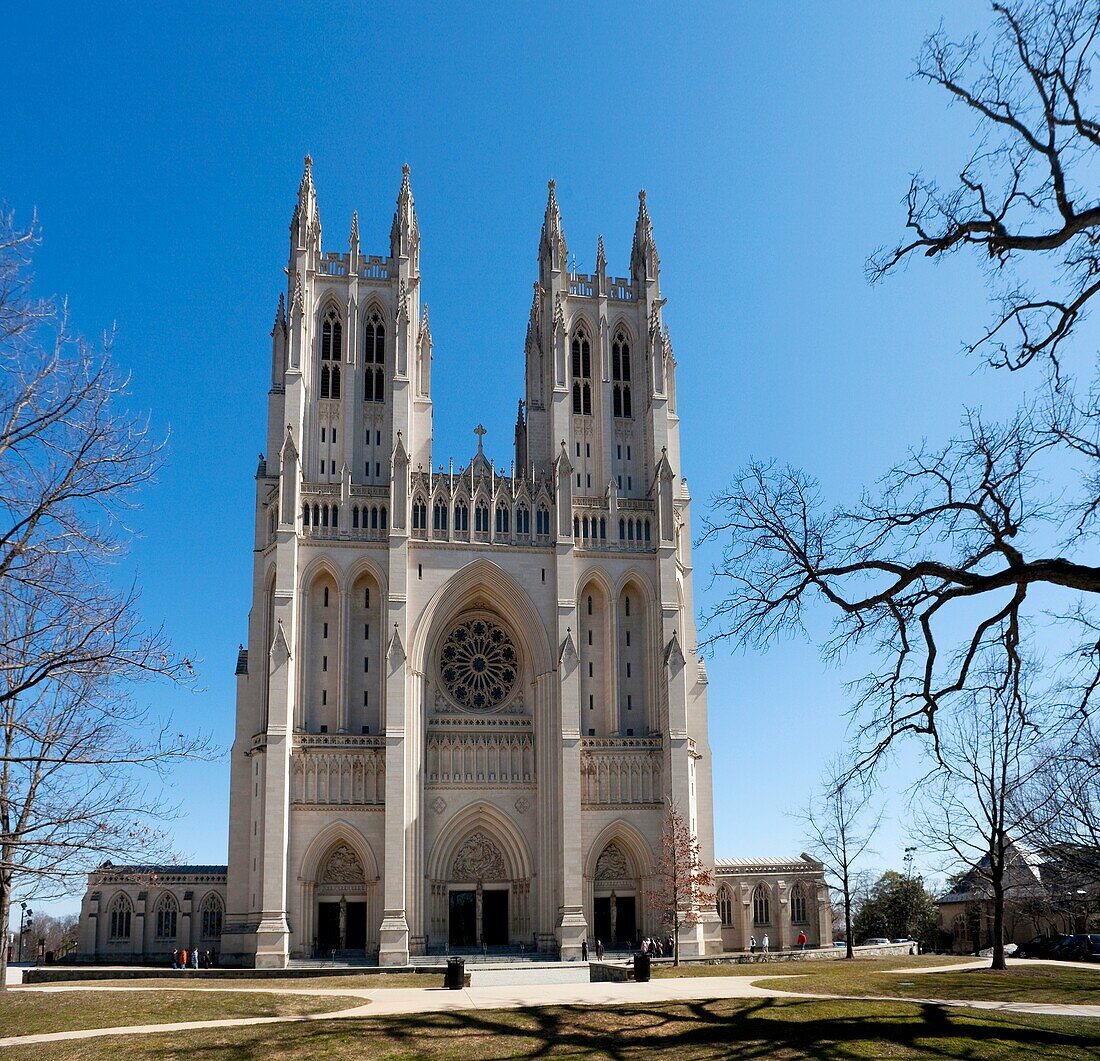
(683, 886)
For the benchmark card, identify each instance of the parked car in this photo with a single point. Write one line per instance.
(874, 941)
(1040, 946)
(1084, 947)
(840, 943)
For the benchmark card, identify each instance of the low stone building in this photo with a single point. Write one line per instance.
(141, 914)
(1046, 893)
(779, 897)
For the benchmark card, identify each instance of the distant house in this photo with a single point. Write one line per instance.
(1046, 892)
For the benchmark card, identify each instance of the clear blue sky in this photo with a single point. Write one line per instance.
(162, 147)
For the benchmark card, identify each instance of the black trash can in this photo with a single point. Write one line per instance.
(456, 974)
(641, 968)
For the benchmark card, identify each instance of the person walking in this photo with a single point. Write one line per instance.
(175, 959)
(183, 958)
(752, 944)
(584, 949)
(764, 944)
(195, 958)
(599, 950)
(801, 940)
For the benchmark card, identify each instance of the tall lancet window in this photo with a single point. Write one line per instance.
(332, 345)
(621, 403)
(374, 359)
(582, 372)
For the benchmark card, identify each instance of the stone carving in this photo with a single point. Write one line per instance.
(523, 804)
(343, 867)
(439, 804)
(613, 864)
(479, 859)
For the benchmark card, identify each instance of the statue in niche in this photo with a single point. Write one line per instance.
(478, 859)
(612, 864)
(343, 867)
(343, 922)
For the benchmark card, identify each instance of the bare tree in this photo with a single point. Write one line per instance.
(76, 747)
(971, 806)
(1028, 189)
(683, 886)
(841, 822)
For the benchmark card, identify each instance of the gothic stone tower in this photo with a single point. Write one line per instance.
(467, 694)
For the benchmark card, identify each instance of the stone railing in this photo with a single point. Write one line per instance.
(480, 759)
(616, 770)
(338, 769)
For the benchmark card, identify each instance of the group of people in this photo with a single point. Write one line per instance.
(657, 948)
(801, 942)
(599, 950)
(192, 959)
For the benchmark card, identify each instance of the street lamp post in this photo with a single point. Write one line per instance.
(909, 853)
(26, 923)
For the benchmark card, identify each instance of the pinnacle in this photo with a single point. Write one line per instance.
(355, 226)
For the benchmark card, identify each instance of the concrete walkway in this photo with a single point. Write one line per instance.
(391, 1001)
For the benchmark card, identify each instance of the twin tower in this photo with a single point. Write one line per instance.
(468, 695)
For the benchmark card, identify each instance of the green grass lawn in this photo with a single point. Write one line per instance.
(785, 1029)
(1018, 983)
(32, 1012)
(799, 968)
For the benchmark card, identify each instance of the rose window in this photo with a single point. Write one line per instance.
(478, 664)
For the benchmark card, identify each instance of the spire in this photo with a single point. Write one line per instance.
(280, 314)
(305, 225)
(534, 321)
(601, 258)
(644, 263)
(353, 239)
(425, 327)
(553, 253)
(405, 231)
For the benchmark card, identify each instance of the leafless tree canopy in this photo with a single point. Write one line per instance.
(1029, 188)
(969, 546)
(841, 821)
(74, 737)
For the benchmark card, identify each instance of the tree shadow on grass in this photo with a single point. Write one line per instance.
(765, 1028)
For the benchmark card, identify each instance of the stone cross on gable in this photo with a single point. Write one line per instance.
(480, 432)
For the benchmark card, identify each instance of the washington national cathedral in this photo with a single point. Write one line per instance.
(468, 692)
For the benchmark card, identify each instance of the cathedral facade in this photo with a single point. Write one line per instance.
(468, 693)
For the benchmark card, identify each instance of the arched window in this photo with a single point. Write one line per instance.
(576, 527)
(332, 345)
(382, 516)
(331, 335)
(581, 351)
(355, 517)
(481, 518)
(212, 916)
(420, 514)
(620, 375)
(324, 515)
(305, 515)
(167, 911)
(542, 522)
(121, 912)
(374, 359)
(761, 906)
(798, 904)
(374, 517)
(335, 515)
(622, 530)
(725, 906)
(502, 519)
(439, 516)
(462, 517)
(647, 530)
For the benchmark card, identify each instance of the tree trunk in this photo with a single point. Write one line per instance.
(998, 917)
(848, 951)
(5, 917)
(675, 944)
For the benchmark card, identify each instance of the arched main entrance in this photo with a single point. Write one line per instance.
(618, 864)
(339, 882)
(479, 880)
